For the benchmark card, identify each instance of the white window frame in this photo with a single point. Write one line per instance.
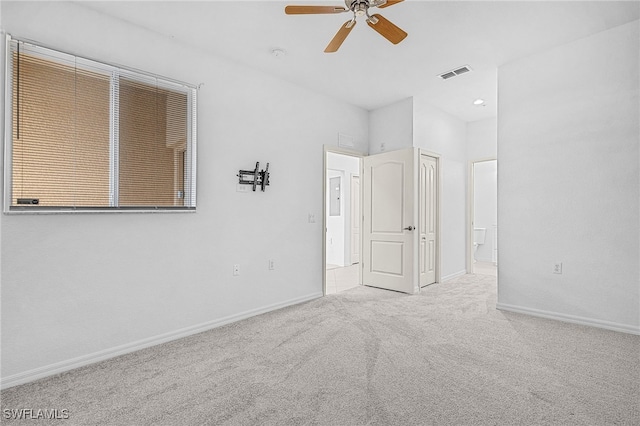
(115, 72)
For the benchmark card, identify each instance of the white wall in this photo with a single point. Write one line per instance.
(482, 139)
(391, 127)
(339, 227)
(485, 208)
(568, 156)
(79, 287)
(441, 133)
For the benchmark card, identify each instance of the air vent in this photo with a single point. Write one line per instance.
(461, 70)
(454, 73)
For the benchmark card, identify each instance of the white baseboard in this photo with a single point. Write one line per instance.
(624, 328)
(454, 275)
(70, 364)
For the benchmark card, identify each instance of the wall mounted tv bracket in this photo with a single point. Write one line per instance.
(254, 177)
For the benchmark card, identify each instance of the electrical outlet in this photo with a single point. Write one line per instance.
(236, 269)
(312, 218)
(272, 264)
(557, 268)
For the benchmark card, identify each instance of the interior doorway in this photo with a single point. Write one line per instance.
(482, 250)
(393, 241)
(342, 220)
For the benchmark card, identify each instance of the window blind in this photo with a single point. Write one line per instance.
(87, 135)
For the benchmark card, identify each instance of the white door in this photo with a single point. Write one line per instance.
(355, 219)
(427, 217)
(388, 231)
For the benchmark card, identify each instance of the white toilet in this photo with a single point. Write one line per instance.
(479, 234)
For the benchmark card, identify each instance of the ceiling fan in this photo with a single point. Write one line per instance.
(359, 8)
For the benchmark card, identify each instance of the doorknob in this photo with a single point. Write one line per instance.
(409, 228)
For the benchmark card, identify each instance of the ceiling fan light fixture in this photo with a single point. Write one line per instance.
(359, 8)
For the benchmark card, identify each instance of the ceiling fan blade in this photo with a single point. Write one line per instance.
(390, 3)
(386, 28)
(340, 36)
(307, 10)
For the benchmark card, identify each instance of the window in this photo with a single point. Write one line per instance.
(83, 135)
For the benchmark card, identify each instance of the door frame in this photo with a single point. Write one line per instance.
(438, 159)
(471, 208)
(352, 179)
(341, 151)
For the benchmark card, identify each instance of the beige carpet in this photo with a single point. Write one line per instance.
(363, 357)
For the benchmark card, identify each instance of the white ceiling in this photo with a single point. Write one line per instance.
(368, 71)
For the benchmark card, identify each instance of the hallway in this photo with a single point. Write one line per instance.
(485, 268)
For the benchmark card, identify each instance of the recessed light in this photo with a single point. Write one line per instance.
(479, 102)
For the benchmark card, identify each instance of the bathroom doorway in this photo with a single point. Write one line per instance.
(483, 227)
(342, 226)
